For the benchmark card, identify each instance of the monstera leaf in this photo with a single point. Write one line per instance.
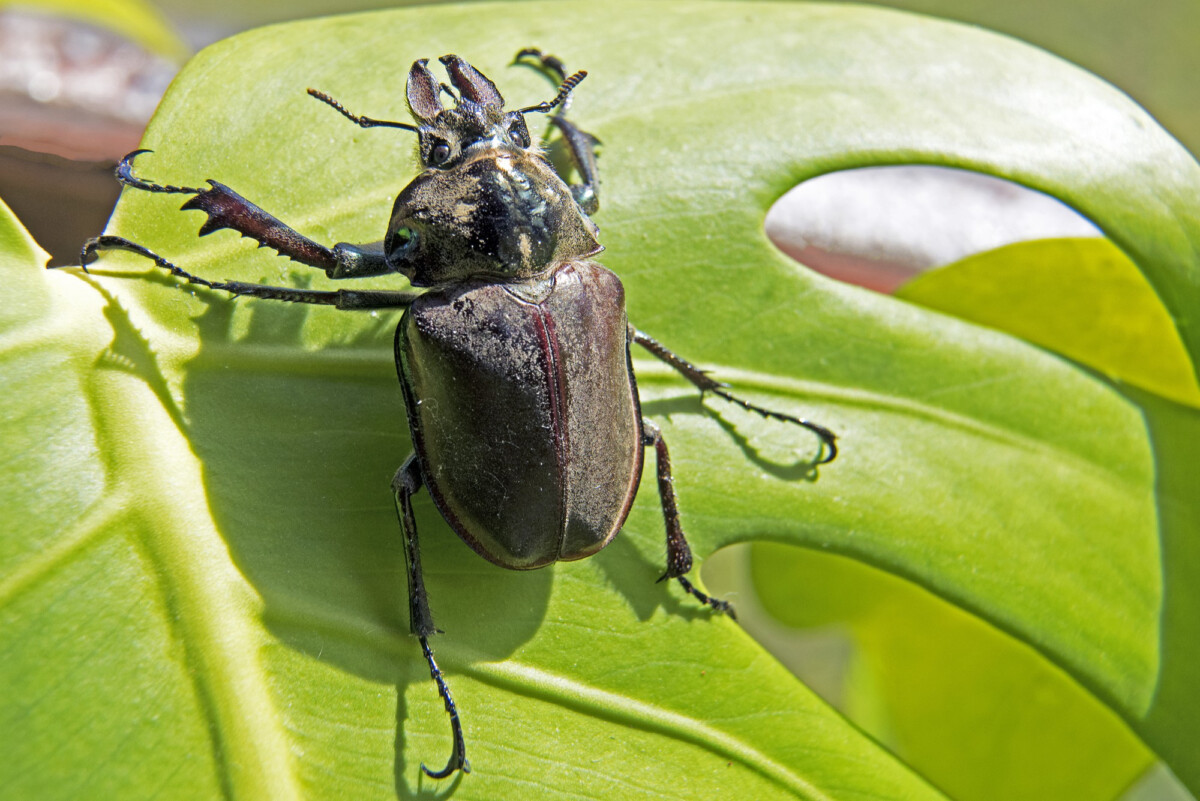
(202, 586)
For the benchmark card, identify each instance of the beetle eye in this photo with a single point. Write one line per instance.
(519, 133)
(439, 154)
(403, 240)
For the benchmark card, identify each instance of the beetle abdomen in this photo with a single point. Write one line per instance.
(524, 412)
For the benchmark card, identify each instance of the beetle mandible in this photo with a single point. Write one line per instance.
(515, 362)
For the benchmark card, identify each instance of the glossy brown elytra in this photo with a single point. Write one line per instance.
(514, 362)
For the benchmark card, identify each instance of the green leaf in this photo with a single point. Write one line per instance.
(1079, 297)
(17, 244)
(1148, 56)
(237, 595)
(1084, 299)
(977, 712)
(207, 555)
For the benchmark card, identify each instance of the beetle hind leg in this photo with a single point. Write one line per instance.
(679, 553)
(407, 483)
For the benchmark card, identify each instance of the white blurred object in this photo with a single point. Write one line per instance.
(73, 89)
(880, 226)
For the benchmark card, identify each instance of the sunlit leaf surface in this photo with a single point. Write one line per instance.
(203, 590)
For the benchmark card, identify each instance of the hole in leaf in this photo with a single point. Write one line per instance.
(879, 227)
(992, 252)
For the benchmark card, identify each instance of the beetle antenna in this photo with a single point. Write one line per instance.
(564, 92)
(362, 122)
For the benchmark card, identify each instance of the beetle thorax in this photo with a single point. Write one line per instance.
(501, 212)
(488, 204)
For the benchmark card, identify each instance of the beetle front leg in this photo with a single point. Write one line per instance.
(407, 482)
(679, 553)
(344, 299)
(227, 209)
(705, 383)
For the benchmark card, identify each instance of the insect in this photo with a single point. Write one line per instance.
(514, 360)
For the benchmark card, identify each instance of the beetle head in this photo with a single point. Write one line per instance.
(488, 202)
(476, 120)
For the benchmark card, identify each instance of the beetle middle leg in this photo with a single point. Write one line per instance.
(408, 482)
(705, 383)
(679, 553)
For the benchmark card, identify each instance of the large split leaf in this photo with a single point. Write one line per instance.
(203, 589)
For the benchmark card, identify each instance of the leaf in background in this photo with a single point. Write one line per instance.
(17, 245)
(981, 715)
(136, 20)
(1079, 297)
(229, 559)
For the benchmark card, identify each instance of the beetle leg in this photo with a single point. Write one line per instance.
(407, 482)
(227, 209)
(580, 144)
(705, 383)
(345, 299)
(679, 553)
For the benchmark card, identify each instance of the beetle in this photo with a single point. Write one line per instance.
(513, 351)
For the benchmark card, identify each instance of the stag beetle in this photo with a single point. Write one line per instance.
(515, 362)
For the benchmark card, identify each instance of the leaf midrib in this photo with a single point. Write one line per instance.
(205, 605)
